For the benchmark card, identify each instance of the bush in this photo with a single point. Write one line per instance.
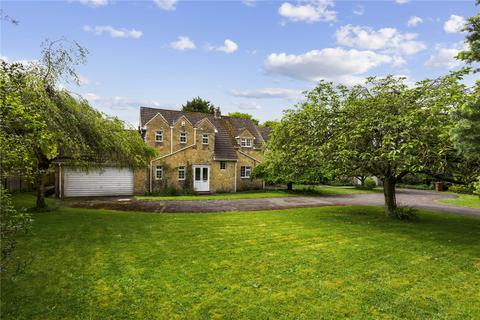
(457, 188)
(369, 184)
(406, 213)
(476, 187)
(12, 224)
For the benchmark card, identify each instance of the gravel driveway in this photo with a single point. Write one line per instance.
(405, 197)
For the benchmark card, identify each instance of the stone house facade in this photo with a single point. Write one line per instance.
(202, 151)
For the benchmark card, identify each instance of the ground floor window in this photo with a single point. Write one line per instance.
(159, 172)
(181, 173)
(223, 165)
(245, 172)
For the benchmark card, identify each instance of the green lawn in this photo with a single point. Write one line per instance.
(328, 262)
(297, 190)
(464, 200)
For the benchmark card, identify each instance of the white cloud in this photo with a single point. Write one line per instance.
(228, 46)
(359, 10)
(248, 105)
(114, 33)
(168, 5)
(335, 64)
(268, 93)
(402, 1)
(454, 24)
(311, 11)
(249, 3)
(95, 3)
(414, 21)
(386, 39)
(444, 57)
(183, 43)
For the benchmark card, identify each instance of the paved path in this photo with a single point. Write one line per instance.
(410, 198)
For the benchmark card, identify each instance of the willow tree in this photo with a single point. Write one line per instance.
(42, 124)
(383, 128)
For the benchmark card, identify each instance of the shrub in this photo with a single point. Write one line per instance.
(405, 213)
(476, 187)
(457, 188)
(369, 184)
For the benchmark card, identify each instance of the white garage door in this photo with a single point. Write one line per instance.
(98, 182)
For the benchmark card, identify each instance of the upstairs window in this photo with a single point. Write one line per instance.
(223, 165)
(183, 137)
(204, 138)
(181, 173)
(159, 136)
(245, 172)
(158, 172)
(246, 142)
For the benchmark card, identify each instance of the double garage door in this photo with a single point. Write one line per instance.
(109, 181)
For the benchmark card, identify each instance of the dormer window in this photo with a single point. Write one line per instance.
(246, 142)
(204, 138)
(183, 137)
(159, 136)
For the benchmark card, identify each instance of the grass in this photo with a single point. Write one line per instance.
(321, 190)
(337, 262)
(464, 200)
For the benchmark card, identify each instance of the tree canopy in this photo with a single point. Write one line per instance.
(243, 115)
(472, 39)
(198, 105)
(41, 124)
(383, 128)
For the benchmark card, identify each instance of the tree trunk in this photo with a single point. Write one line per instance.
(390, 198)
(290, 186)
(362, 180)
(40, 185)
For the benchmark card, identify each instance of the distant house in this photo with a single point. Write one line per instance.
(213, 152)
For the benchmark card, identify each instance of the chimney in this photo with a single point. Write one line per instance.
(216, 113)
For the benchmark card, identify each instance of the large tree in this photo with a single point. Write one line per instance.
(42, 124)
(243, 115)
(472, 27)
(383, 128)
(198, 105)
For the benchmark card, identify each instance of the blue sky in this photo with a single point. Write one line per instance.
(249, 56)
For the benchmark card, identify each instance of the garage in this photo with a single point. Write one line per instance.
(108, 181)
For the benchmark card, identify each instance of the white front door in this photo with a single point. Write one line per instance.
(201, 178)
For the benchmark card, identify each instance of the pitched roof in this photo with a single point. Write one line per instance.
(227, 128)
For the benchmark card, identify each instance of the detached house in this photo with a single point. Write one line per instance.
(213, 153)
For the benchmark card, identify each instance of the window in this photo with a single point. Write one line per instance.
(223, 165)
(181, 173)
(204, 138)
(245, 172)
(159, 172)
(246, 142)
(183, 137)
(159, 136)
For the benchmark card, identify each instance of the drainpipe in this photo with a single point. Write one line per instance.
(235, 186)
(60, 180)
(171, 139)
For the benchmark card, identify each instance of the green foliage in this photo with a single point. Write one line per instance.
(457, 188)
(476, 187)
(198, 105)
(405, 213)
(270, 123)
(13, 223)
(466, 132)
(383, 128)
(472, 28)
(243, 115)
(369, 184)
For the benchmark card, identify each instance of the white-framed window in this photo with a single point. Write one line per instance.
(158, 172)
(159, 136)
(245, 172)
(181, 173)
(183, 137)
(223, 165)
(246, 142)
(204, 138)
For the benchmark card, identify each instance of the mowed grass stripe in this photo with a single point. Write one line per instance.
(326, 262)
